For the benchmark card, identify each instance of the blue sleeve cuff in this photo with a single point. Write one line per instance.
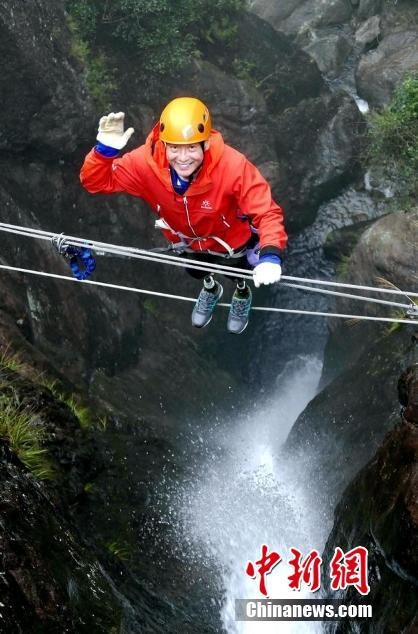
(106, 150)
(270, 257)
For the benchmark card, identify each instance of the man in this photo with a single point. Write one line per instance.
(211, 202)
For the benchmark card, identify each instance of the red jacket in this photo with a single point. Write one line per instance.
(227, 195)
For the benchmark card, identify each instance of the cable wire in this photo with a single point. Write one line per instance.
(191, 299)
(104, 247)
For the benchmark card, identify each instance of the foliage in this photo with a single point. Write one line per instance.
(18, 425)
(393, 140)
(395, 326)
(89, 487)
(84, 415)
(100, 81)
(151, 306)
(244, 69)
(119, 549)
(102, 423)
(162, 35)
(98, 74)
(11, 361)
(24, 438)
(81, 412)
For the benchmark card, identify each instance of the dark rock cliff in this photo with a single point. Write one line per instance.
(367, 45)
(71, 561)
(51, 581)
(358, 403)
(388, 525)
(39, 86)
(385, 254)
(354, 422)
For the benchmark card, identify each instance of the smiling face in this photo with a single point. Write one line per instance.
(184, 159)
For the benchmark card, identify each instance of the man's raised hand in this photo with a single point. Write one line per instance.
(111, 131)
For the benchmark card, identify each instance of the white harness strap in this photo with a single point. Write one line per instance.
(186, 241)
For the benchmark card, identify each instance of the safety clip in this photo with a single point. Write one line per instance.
(412, 311)
(81, 261)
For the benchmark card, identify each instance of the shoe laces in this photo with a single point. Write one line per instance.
(207, 300)
(240, 306)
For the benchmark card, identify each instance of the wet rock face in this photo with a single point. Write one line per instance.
(330, 52)
(363, 362)
(45, 104)
(367, 8)
(49, 580)
(356, 416)
(78, 550)
(283, 73)
(379, 510)
(347, 421)
(43, 587)
(408, 393)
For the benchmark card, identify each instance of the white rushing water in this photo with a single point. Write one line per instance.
(245, 496)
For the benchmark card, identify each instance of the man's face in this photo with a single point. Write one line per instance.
(185, 159)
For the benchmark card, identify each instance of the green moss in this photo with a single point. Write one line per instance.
(342, 267)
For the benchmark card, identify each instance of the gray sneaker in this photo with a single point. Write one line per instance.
(205, 305)
(239, 313)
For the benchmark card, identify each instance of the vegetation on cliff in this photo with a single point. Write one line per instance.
(26, 416)
(393, 136)
(160, 37)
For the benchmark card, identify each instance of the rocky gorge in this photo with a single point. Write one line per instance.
(85, 545)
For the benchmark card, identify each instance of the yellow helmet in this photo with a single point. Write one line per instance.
(185, 120)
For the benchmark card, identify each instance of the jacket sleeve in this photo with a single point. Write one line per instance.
(101, 174)
(255, 201)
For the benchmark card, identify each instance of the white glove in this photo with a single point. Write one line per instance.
(266, 273)
(111, 131)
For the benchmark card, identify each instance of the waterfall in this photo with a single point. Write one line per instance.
(242, 496)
